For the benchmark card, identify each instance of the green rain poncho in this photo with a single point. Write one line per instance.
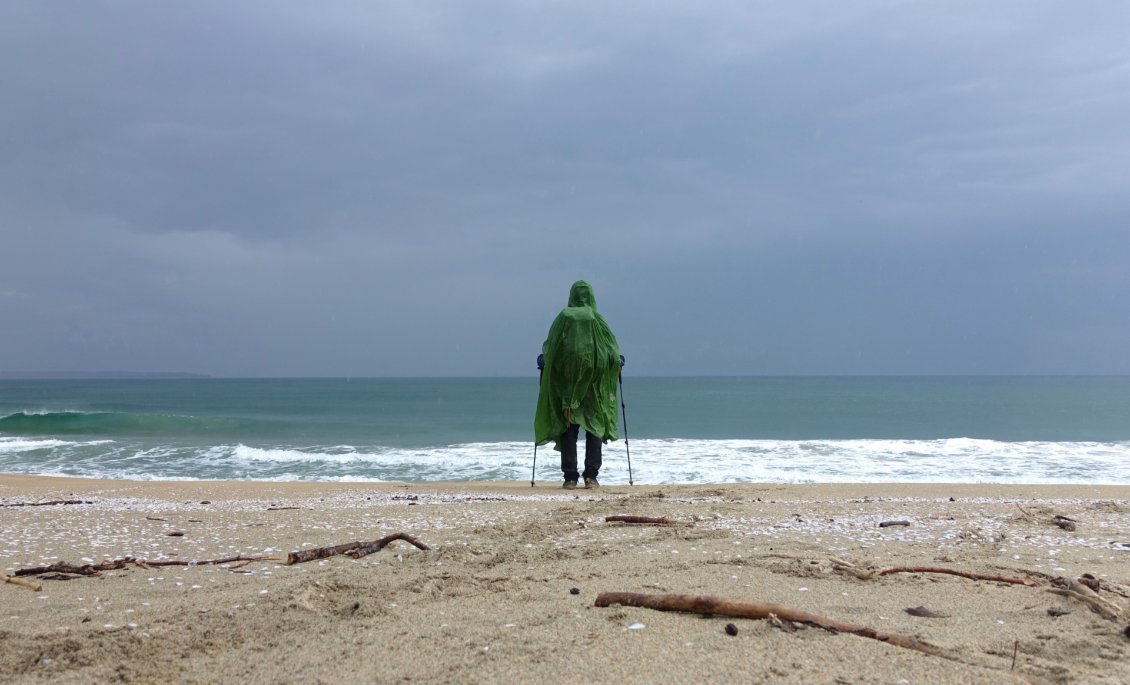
(582, 365)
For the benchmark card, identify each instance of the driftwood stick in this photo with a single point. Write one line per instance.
(363, 548)
(954, 572)
(1064, 522)
(24, 582)
(843, 566)
(652, 520)
(1066, 587)
(1069, 587)
(698, 604)
(1098, 606)
(378, 545)
(116, 564)
(320, 552)
(205, 562)
(84, 570)
(1115, 588)
(701, 604)
(46, 504)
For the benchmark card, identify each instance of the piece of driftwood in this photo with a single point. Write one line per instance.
(24, 583)
(281, 508)
(954, 572)
(204, 562)
(378, 545)
(1069, 587)
(1090, 581)
(888, 524)
(704, 604)
(700, 604)
(844, 566)
(1064, 522)
(47, 504)
(116, 564)
(72, 569)
(361, 549)
(1115, 588)
(1085, 589)
(923, 612)
(644, 520)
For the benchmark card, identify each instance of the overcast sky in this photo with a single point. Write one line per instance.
(409, 188)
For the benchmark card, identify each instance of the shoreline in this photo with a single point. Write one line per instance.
(19, 482)
(491, 599)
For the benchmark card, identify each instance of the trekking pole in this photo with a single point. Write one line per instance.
(624, 410)
(535, 466)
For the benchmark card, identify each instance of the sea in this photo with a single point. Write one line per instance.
(952, 429)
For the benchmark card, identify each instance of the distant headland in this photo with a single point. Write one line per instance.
(98, 375)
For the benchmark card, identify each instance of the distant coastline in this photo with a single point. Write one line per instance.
(97, 375)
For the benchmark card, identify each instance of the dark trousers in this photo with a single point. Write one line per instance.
(569, 454)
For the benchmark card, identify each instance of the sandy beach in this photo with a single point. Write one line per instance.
(507, 590)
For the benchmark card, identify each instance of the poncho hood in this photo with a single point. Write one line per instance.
(582, 366)
(580, 295)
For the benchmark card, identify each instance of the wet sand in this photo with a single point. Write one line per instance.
(493, 598)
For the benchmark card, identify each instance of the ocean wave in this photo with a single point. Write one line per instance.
(37, 422)
(654, 461)
(12, 445)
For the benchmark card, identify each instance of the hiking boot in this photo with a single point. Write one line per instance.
(591, 483)
(571, 485)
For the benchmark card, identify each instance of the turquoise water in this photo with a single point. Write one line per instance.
(969, 429)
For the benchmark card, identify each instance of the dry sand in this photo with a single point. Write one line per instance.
(492, 600)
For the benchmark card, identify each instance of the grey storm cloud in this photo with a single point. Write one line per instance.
(372, 188)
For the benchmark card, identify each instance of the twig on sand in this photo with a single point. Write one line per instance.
(116, 564)
(47, 504)
(84, 570)
(642, 520)
(206, 562)
(954, 572)
(25, 583)
(1064, 522)
(701, 604)
(851, 569)
(869, 573)
(1068, 587)
(353, 549)
(1084, 589)
(378, 545)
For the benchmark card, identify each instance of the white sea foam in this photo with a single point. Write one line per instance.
(8, 444)
(702, 461)
(26, 445)
(653, 461)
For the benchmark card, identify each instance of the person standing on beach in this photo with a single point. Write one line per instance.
(580, 364)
